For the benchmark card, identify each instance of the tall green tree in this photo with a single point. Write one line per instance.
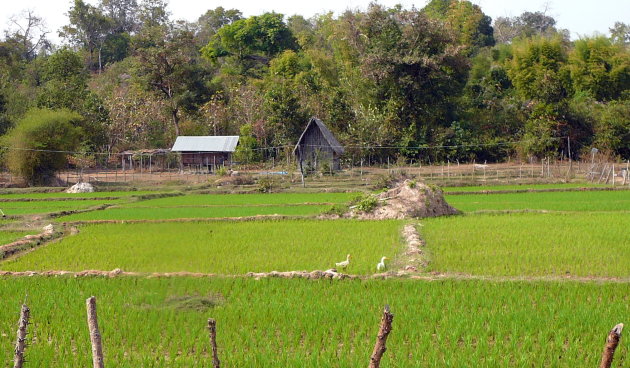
(64, 86)
(88, 28)
(469, 24)
(600, 68)
(212, 20)
(167, 62)
(249, 44)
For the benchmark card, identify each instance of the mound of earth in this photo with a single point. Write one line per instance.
(409, 199)
(81, 188)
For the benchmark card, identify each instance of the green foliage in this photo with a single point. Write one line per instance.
(612, 129)
(247, 149)
(65, 87)
(526, 25)
(367, 203)
(221, 171)
(338, 209)
(538, 70)
(464, 19)
(167, 63)
(42, 130)
(600, 68)
(266, 184)
(266, 35)
(426, 83)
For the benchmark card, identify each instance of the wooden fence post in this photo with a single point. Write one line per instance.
(20, 344)
(611, 344)
(381, 339)
(95, 334)
(212, 326)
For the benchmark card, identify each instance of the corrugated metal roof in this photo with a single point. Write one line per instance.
(330, 138)
(213, 143)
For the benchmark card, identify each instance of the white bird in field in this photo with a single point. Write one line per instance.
(381, 265)
(345, 263)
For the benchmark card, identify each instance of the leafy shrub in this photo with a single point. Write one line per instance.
(338, 209)
(367, 203)
(45, 131)
(266, 184)
(222, 171)
(389, 180)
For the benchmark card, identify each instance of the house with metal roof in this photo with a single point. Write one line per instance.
(205, 151)
(318, 146)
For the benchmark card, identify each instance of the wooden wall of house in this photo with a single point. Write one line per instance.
(315, 149)
(205, 158)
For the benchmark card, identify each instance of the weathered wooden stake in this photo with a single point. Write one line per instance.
(611, 344)
(95, 334)
(381, 339)
(20, 344)
(212, 326)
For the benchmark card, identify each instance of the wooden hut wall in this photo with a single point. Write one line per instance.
(315, 148)
(205, 158)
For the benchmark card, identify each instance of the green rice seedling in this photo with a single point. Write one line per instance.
(533, 187)
(35, 207)
(305, 323)
(56, 195)
(530, 244)
(10, 236)
(245, 199)
(550, 201)
(163, 213)
(220, 247)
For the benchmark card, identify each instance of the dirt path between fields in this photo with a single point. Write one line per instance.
(316, 275)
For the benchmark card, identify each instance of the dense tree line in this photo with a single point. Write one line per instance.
(437, 83)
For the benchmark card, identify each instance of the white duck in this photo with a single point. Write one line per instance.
(381, 265)
(345, 263)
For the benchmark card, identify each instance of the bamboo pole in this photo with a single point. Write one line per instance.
(20, 344)
(611, 344)
(212, 327)
(95, 334)
(381, 339)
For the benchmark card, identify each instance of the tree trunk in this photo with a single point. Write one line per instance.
(175, 118)
(95, 334)
(18, 360)
(381, 339)
(611, 344)
(212, 326)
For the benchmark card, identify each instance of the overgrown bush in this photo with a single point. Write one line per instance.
(338, 209)
(266, 184)
(39, 142)
(221, 171)
(367, 203)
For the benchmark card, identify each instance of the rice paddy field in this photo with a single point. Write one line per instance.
(580, 201)
(533, 279)
(38, 207)
(524, 187)
(305, 323)
(10, 236)
(531, 244)
(219, 247)
(55, 195)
